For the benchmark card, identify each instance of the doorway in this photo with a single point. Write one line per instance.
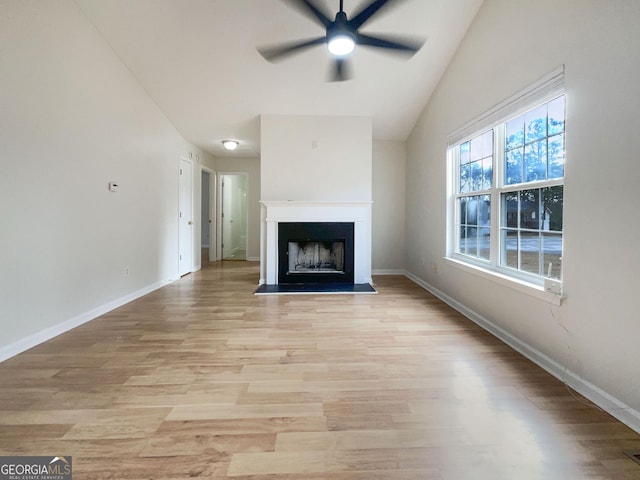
(185, 218)
(233, 219)
(207, 220)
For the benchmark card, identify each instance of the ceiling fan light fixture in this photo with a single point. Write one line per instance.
(230, 144)
(342, 35)
(341, 45)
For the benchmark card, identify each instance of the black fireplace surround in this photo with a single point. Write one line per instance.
(328, 237)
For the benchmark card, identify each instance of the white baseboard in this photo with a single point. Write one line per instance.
(253, 259)
(604, 400)
(388, 272)
(37, 338)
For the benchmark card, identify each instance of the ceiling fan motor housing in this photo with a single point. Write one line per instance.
(341, 38)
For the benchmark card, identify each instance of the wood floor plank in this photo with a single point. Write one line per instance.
(204, 379)
(227, 411)
(277, 463)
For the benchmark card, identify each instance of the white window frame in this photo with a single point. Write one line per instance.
(544, 90)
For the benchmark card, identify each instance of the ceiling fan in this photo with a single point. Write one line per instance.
(342, 36)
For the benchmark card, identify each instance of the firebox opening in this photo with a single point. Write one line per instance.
(315, 252)
(316, 257)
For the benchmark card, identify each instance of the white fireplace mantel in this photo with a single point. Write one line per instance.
(273, 212)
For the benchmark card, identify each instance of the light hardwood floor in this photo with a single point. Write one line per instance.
(204, 379)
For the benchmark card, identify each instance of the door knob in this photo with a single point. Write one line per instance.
(190, 222)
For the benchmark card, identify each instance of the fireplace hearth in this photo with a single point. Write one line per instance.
(315, 252)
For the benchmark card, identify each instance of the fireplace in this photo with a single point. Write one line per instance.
(357, 241)
(315, 252)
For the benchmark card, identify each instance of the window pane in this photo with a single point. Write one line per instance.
(510, 210)
(556, 156)
(535, 124)
(462, 209)
(472, 211)
(535, 161)
(464, 153)
(476, 148)
(487, 173)
(552, 205)
(530, 252)
(484, 210)
(513, 173)
(530, 209)
(472, 241)
(556, 116)
(487, 144)
(552, 251)
(484, 240)
(476, 176)
(509, 255)
(465, 178)
(462, 242)
(515, 133)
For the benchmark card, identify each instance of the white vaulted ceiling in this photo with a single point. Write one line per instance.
(197, 59)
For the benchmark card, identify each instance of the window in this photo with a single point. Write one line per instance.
(508, 190)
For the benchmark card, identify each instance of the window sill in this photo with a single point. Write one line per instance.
(513, 283)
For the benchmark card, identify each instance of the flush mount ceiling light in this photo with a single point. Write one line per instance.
(230, 144)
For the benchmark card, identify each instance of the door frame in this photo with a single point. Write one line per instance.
(219, 208)
(189, 248)
(213, 239)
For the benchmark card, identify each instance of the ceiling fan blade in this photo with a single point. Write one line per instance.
(310, 10)
(279, 52)
(341, 70)
(405, 45)
(367, 12)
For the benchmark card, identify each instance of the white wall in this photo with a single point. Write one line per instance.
(388, 210)
(595, 332)
(73, 119)
(320, 158)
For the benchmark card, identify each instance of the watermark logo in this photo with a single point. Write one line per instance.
(35, 468)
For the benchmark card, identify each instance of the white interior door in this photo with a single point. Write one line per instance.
(233, 223)
(185, 236)
(227, 216)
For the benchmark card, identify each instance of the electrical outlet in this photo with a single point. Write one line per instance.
(435, 268)
(126, 271)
